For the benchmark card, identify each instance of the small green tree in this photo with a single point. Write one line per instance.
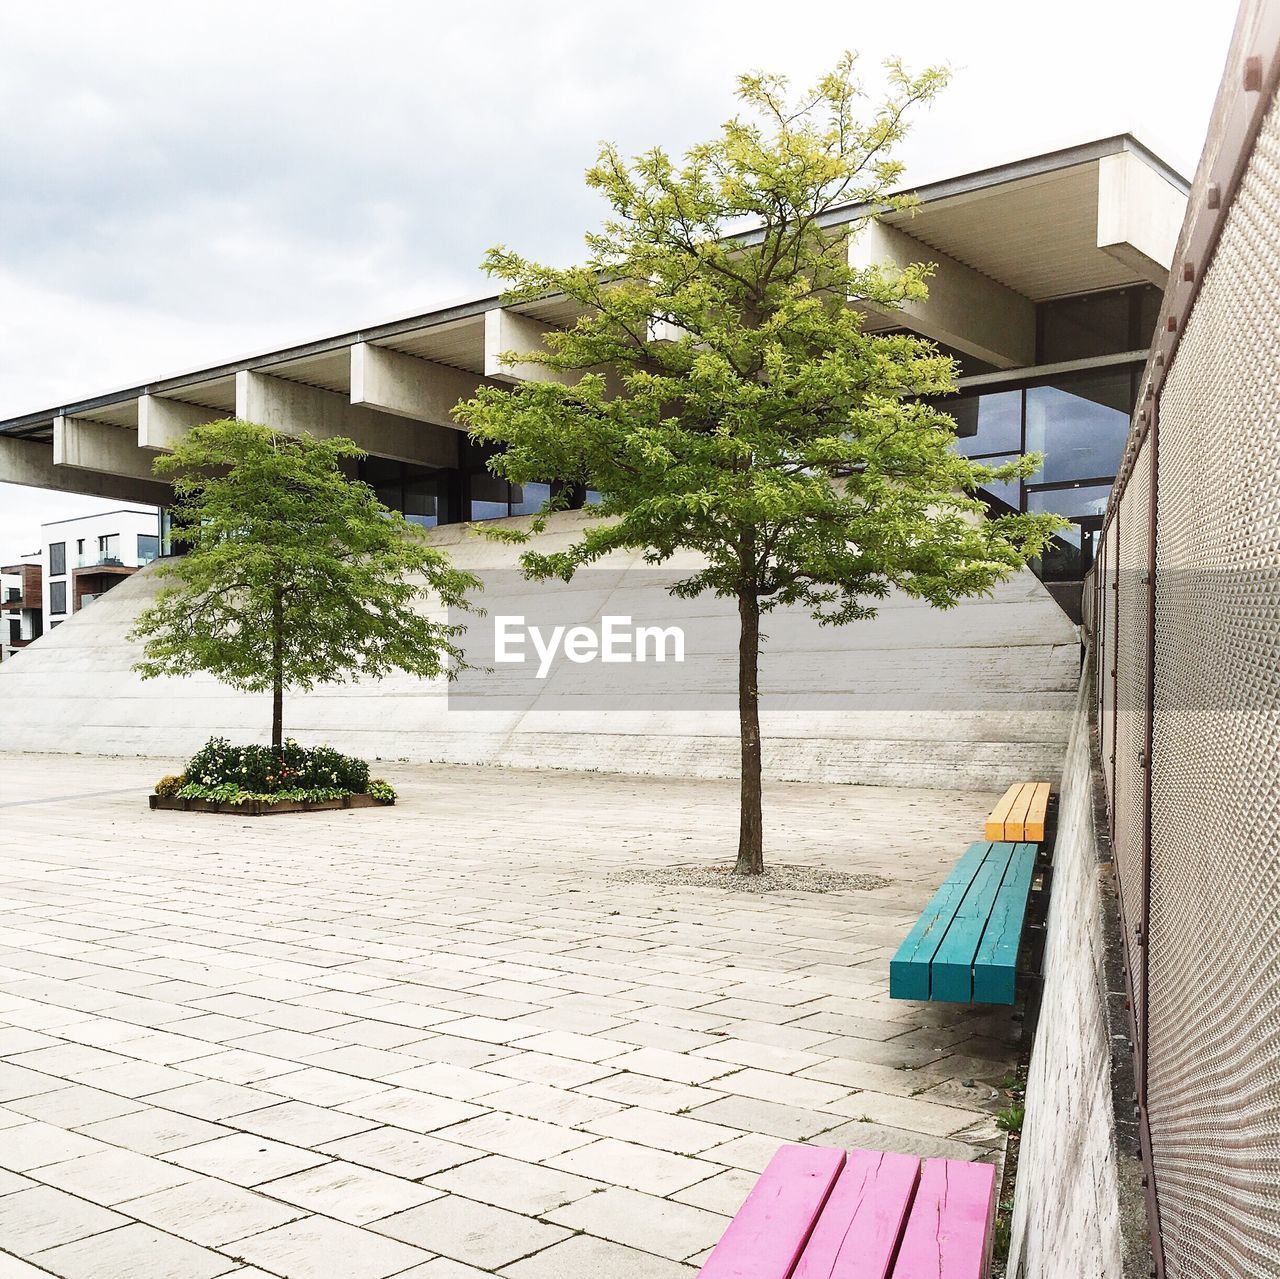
(293, 575)
(757, 423)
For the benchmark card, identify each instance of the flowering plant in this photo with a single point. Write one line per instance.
(261, 771)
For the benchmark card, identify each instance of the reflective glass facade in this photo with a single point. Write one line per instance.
(453, 495)
(1079, 422)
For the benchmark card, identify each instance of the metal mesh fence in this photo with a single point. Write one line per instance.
(1107, 669)
(1197, 827)
(1132, 641)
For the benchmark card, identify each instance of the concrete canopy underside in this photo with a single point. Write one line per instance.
(1099, 216)
(969, 699)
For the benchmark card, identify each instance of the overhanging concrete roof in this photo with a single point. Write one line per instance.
(1076, 220)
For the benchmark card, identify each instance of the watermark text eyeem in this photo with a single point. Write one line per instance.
(617, 639)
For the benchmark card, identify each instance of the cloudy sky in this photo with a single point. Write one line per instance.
(185, 183)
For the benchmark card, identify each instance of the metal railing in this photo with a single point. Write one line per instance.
(1182, 614)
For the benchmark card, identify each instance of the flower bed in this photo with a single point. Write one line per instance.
(222, 778)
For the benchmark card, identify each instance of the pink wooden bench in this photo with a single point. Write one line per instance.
(819, 1213)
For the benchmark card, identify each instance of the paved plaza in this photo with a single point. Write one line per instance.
(445, 1040)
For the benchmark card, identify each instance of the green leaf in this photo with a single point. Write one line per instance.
(291, 570)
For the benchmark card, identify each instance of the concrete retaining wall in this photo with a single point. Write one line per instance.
(971, 698)
(1078, 1207)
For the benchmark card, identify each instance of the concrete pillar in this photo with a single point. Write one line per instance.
(1139, 215)
(407, 386)
(162, 422)
(965, 310)
(294, 409)
(94, 446)
(30, 463)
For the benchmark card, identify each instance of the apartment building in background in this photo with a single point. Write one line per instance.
(21, 604)
(86, 556)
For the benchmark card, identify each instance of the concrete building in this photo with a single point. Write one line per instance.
(21, 604)
(1046, 290)
(86, 556)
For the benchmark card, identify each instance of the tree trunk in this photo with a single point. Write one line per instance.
(750, 830)
(277, 672)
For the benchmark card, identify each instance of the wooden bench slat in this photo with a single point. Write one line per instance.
(769, 1233)
(951, 973)
(995, 966)
(857, 1234)
(950, 1228)
(994, 829)
(909, 970)
(1034, 828)
(1015, 822)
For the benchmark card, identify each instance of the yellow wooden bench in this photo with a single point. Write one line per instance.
(1020, 813)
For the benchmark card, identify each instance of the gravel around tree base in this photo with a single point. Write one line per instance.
(775, 879)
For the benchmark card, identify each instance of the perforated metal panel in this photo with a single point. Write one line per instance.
(1132, 639)
(1086, 606)
(1214, 954)
(1107, 651)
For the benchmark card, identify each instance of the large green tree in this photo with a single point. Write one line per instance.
(756, 421)
(293, 575)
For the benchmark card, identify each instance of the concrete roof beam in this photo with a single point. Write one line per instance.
(1139, 216)
(95, 446)
(510, 333)
(162, 422)
(965, 310)
(407, 386)
(30, 463)
(295, 409)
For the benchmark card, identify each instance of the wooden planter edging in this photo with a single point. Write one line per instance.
(261, 808)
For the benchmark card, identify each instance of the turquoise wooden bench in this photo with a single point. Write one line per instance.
(964, 948)
(819, 1213)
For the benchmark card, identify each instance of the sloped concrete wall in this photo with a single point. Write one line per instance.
(971, 698)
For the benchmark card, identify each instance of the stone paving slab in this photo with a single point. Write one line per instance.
(445, 1040)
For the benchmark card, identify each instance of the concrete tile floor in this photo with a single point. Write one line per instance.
(440, 1040)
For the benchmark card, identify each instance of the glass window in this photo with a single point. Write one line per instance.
(986, 423)
(424, 496)
(57, 559)
(1147, 319)
(1064, 557)
(490, 497)
(109, 548)
(57, 597)
(379, 471)
(1078, 501)
(1008, 492)
(1080, 423)
(529, 499)
(148, 547)
(1080, 327)
(425, 502)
